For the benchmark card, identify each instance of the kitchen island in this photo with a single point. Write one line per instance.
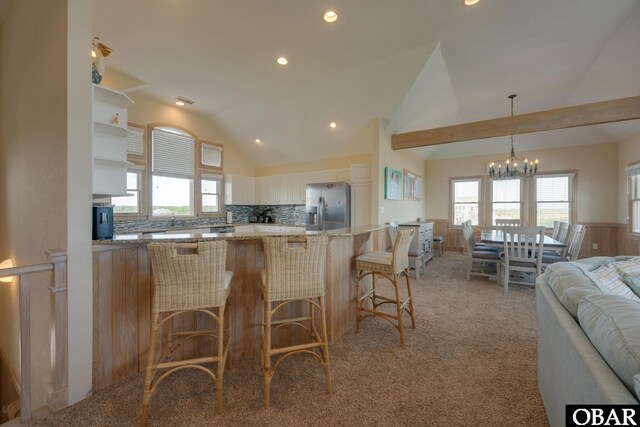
(122, 296)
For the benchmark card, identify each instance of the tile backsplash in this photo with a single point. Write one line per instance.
(282, 214)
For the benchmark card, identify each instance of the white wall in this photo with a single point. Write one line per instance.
(597, 178)
(33, 166)
(400, 210)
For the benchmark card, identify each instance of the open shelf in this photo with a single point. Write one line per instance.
(112, 163)
(110, 96)
(111, 129)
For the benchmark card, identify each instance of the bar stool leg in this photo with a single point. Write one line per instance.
(413, 319)
(220, 365)
(358, 277)
(398, 310)
(268, 374)
(148, 377)
(325, 343)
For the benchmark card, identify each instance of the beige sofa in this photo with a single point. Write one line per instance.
(570, 368)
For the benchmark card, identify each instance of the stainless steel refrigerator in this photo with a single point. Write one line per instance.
(328, 206)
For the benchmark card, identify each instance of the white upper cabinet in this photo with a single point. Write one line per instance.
(283, 189)
(360, 173)
(109, 144)
(239, 190)
(299, 183)
(328, 176)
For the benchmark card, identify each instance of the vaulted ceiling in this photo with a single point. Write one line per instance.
(417, 64)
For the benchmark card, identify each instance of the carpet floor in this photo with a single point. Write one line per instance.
(471, 361)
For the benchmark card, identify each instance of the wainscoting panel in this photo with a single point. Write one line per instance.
(611, 239)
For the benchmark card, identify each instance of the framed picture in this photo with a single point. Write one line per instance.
(412, 188)
(409, 181)
(392, 184)
(417, 189)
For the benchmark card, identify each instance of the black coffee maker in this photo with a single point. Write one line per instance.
(102, 222)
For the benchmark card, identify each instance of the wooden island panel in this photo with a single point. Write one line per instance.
(122, 305)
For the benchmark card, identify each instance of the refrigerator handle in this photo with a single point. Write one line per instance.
(321, 213)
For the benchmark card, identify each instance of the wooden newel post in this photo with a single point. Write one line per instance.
(57, 390)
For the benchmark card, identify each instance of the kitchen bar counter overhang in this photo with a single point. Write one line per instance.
(122, 289)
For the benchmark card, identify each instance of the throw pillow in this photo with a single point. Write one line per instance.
(630, 267)
(610, 282)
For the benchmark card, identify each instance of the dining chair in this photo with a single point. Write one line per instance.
(482, 257)
(561, 234)
(501, 223)
(571, 251)
(522, 254)
(294, 271)
(390, 265)
(182, 283)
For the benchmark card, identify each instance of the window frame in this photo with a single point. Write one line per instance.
(150, 175)
(452, 181)
(138, 163)
(212, 177)
(632, 171)
(572, 175)
(489, 205)
(204, 170)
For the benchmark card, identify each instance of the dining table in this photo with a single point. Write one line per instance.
(496, 238)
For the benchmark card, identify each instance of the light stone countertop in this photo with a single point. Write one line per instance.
(140, 238)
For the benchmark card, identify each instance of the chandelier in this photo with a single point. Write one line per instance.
(514, 168)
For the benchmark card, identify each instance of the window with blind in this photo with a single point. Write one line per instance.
(633, 189)
(465, 198)
(553, 199)
(211, 156)
(172, 170)
(506, 200)
(130, 204)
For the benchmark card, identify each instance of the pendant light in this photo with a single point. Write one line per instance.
(513, 168)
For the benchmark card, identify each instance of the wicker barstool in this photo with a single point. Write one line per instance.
(188, 283)
(294, 271)
(390, 265)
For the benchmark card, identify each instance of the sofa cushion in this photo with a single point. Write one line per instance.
(609, 281)
(611, 323)
(633, 283)
(569, 282)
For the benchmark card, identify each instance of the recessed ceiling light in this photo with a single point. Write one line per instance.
(283, 61)
(93, 53)
(333, 124)
(330, 16)
(258, 141)
(470, 2)
(180, 103)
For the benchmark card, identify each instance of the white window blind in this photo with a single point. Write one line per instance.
(553, 201)
(466, 201)
(134, 141)
(506, 199)
(173, 154)
(211, 155)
